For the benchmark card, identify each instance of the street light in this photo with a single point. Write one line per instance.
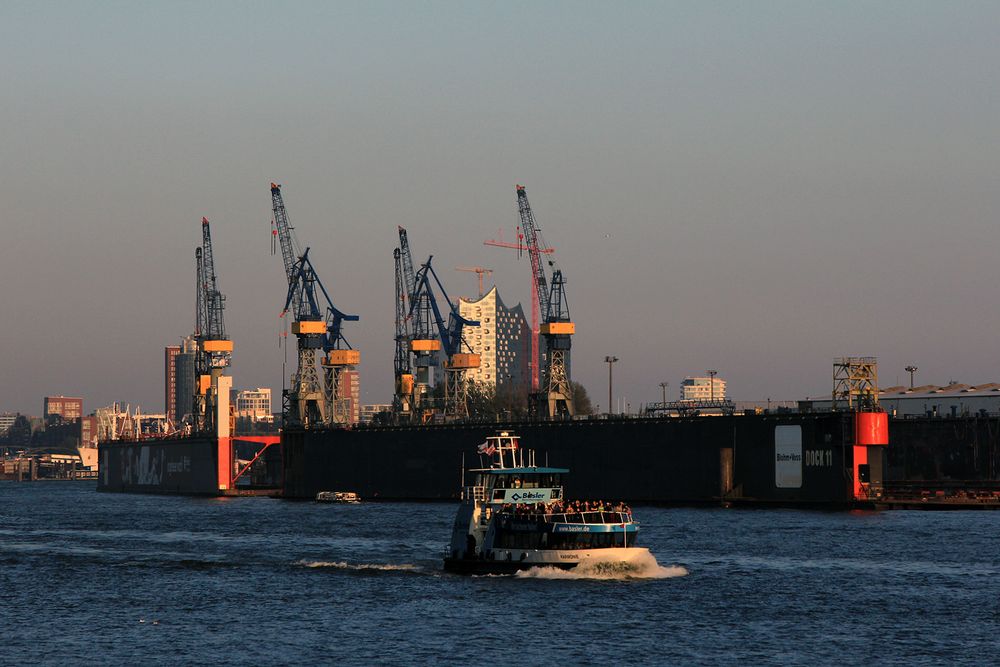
(911, 370)
(609, 361)
(663, 386)
(711, 385)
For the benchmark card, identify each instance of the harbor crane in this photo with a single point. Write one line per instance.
(318, 327)
(215, 350)
(554, 397)
(402, 401)
(424, 310)
(422, 343)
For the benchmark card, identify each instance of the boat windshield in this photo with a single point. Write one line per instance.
(523, 480)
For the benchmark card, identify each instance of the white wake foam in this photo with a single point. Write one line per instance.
(358, 567)
(642, 567)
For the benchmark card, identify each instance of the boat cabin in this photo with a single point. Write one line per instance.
(513, 477)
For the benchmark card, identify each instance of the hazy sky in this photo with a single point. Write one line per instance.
(752, 187)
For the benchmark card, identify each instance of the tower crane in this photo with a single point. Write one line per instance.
(307, 403)
(555, 394)
(533, 360)
(479, 271)
(450, 339)
(215, 350)
(403, 396)
(422, 343)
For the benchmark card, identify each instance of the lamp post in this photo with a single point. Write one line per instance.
(663, 386)
(911, 370)
(609, 361)
(711, 385)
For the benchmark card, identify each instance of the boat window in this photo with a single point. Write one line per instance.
(520, 535)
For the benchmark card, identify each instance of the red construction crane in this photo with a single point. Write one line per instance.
(535, 308)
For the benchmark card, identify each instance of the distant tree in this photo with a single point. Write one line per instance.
(581, 400)
(19, 434)
(482, 401)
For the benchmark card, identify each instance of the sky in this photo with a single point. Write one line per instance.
(754, 188)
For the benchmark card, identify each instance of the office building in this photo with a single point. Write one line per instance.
(700, 389)
(254, 404)
(70, 409)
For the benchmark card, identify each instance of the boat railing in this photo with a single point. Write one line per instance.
(474, 493)
(575, 517)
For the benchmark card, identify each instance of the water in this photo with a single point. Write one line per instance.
(123, 579)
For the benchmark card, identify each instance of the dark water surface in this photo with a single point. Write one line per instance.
(127, 579)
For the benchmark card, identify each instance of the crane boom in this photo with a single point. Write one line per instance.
(215, 325)
(199, 297)
(402, 360)
(289, 253)
(450, 333)
(531, 241)
(407, 260)
(403, 393)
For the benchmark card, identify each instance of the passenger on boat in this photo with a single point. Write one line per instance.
(558, 507)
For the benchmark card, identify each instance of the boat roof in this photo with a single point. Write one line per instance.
(521, 471)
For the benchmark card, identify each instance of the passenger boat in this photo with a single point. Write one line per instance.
(337, 497)
(515, 517)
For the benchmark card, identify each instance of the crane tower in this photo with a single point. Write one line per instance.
(307, 402)
(403, 396)
(459, 356)
(423, 344)
(555, 395)
(215, 350)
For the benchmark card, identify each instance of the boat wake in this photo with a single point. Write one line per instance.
(358, 567)
(643, 567)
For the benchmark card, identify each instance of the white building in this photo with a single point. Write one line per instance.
(254, 404)
(697, 389)
(502, 340)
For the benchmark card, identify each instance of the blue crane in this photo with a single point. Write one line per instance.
(425, 307)
(318, 326)
(423, 344)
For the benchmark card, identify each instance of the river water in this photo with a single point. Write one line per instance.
(96, 578)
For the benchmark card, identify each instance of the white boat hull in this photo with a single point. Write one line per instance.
(500, 561)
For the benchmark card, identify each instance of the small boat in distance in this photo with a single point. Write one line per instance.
(337, 497)
(515, 517)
